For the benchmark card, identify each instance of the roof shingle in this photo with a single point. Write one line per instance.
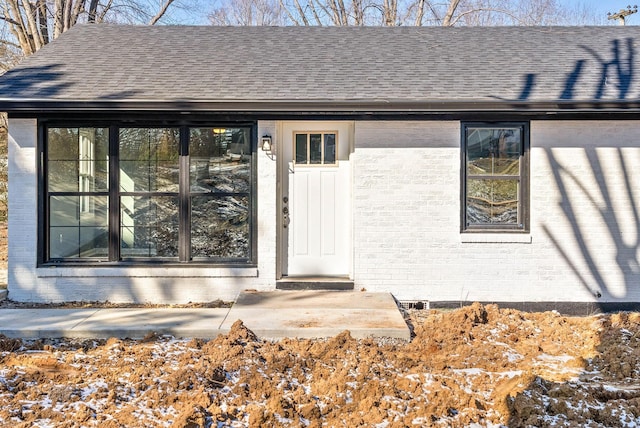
(338, 64)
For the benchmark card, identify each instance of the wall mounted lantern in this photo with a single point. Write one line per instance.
(266, 143)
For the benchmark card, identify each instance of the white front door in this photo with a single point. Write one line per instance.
(316, 198)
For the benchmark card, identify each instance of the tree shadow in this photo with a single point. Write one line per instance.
(32, 82)
(600, 189)
(601, 200)
(622, 67)
(599, 240)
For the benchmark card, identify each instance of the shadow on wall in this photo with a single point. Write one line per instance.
(605, 193)
(606, 198)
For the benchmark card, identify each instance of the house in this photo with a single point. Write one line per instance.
(443, 165)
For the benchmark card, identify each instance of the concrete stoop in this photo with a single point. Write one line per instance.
(316, 314)
(3, 294)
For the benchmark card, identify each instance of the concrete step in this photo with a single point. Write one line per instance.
(315, 314)
(314, 283)
(3, 294)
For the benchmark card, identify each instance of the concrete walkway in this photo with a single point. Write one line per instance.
(270, 315)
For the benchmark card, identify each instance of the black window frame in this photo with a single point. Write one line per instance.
(184, 194)
(523, 204)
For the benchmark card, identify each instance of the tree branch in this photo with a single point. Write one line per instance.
(289, 14)
(161, 12)
(487, 9)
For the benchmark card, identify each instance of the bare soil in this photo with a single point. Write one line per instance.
(475, 366)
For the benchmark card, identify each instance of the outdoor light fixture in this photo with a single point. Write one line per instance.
(266, 143)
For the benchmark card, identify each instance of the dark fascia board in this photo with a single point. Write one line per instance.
(320, 107)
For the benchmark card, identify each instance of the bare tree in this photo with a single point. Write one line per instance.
(344, 12)
(248, 12)
(509, 12)
(34, 23)
(433, 12)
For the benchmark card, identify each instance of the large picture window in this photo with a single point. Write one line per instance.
(495, 177)
(157, 194)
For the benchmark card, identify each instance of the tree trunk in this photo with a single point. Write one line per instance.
(453, 5)
(419, 13)
(389, 13)
(161, 12)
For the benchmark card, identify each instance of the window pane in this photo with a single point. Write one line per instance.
(493, 151)
(62, 144)
(315, 148)
(75, 242)
(94, 176)
(64, 242)
(301, 148)
(78, 211)
(220, 227)
(78, 226)
(492, 202)
(220, 160)
(149, 226)
(143, 144)
(145, 176)
(94, 242)
(62, 176)
(329, 148)
(77, 159)
(149, 159)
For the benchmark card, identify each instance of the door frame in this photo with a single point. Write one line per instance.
(282, 234)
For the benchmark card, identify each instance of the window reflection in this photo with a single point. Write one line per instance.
(149, 226)
(219, 160)
(213, 209)
(77, 179)
(493, 176)
(220, 227)
(220, 186)
(149, 159)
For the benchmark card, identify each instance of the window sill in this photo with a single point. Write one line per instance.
(495, 238)
(146, 272)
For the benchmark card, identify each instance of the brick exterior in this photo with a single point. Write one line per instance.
(583, 245)
(28, 283)
(585, 230)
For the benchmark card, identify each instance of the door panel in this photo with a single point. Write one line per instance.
(317, 230)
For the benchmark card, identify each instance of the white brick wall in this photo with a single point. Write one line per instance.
(585, 200)
(22, 210)
(584, 240)
(131, 284)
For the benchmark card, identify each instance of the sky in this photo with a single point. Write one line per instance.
(597, 7)
(602, 7)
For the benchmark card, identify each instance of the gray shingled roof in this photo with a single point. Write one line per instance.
(264, 67)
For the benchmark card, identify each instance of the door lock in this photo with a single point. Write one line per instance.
(285, 212)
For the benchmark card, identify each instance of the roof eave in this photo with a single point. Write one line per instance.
(42, 106)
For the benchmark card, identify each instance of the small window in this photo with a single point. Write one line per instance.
(315, 148)
(495, 177)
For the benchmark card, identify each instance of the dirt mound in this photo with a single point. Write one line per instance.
(477, 365)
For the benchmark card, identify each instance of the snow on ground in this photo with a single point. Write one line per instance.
(478, 366)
